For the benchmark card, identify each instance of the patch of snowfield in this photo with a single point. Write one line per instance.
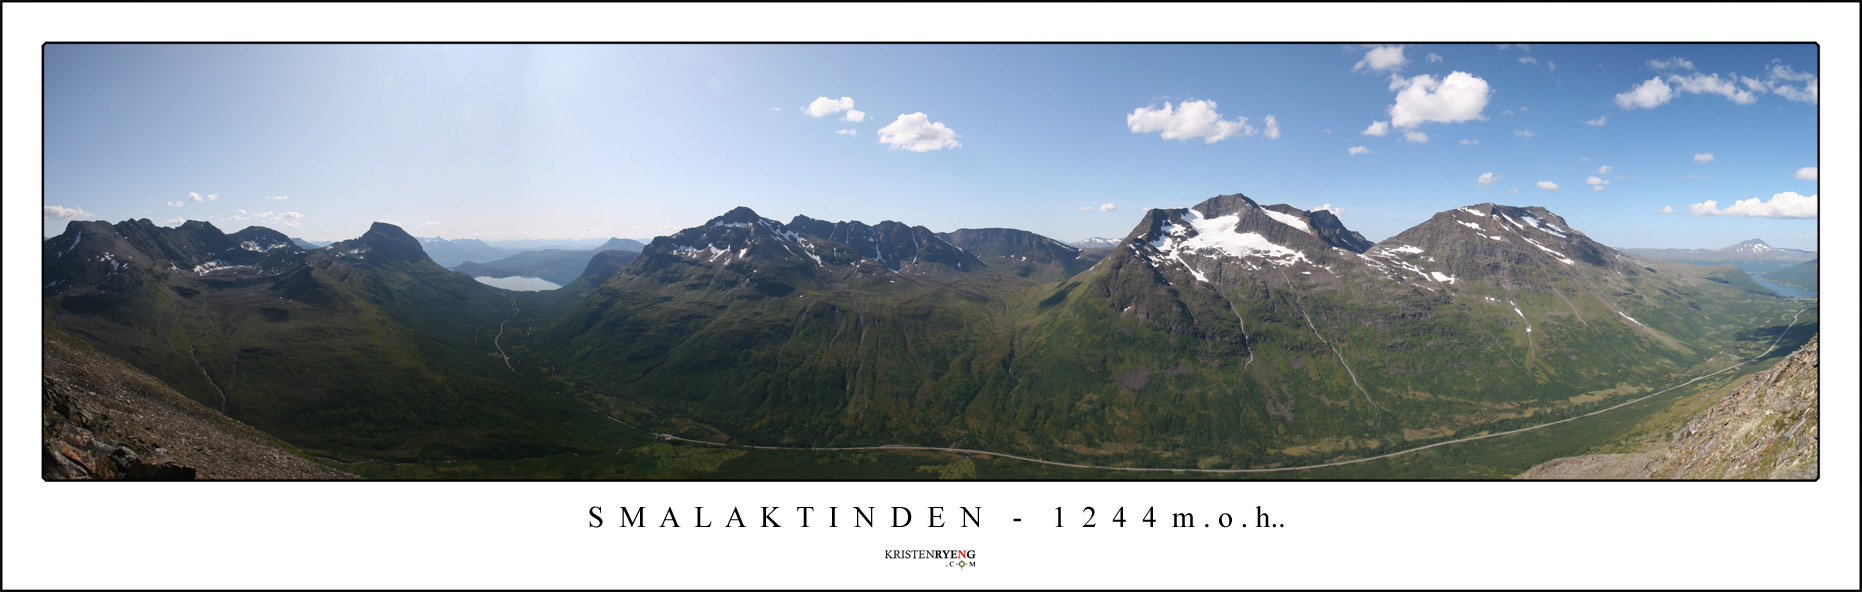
(218, 265)
(256, 248)
(1471, 211)
(1631, 319)
(1288, 219)
(1218, 235)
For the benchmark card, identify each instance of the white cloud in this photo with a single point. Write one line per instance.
(1514, 191)
(1385, 57)
(1524, 133)
(1807, 173)
(1435, 58)
(1530, 61)
(174, 204)
(776, 109)
(1596, 188)
(195, 197)
(1692, 176)
(1521, 46)
(917, 133)
(854, 115)
(1377, 128)
(1783, 205)
(1703, 157)
(1356, 150)
(1273, 127)
(846, 132)
(1086, 208)
(1487, 179)
(1548, 186)
(1666, 210)
(64, 213)
(1107, 207)
(1676, 63)
(1604, 170)
(1190, 119)
(1779, 75)
(1648, 95)
(1596, 183)
(1466, 142)
(1335, 210)
(1416, 136)
(1458, 97)
(1551, 65)
(824, 106)
(1712, 84)
(278, 197)
(175, 221)
(293, 219)
(1599, 121)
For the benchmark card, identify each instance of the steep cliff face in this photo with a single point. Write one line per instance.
(104, 420)
(1765, 429)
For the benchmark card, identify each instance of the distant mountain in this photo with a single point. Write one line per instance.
(308, 245)
(1752, 256)
(1803, 275)
(1024, 254)
(1095, 242)
(449, 253)
(558, 266)
(538, 244)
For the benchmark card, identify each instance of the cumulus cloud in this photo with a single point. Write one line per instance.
(1416, 136)
(1548, 186)
(1671, 63)
(1703, 157)
(917, 133)
(1356, 150)
(1530, 61)
(1599, 121)
(846, 132)
(1435, 58)
(1273, 127)
(1524, 134)
(1596, 183)
(854, 115)
(1107, 207)
(196, 197)
(174, 204)
(1384, 57)
(1377, 128)
(1458, 97)
(1514, 191)
(1487, 179)
(1782, 205)
(1335, 210)
(1466, 142)
(1648, 95)
(64, 213)
(1604, 170)
(1712, 84)
(278, 197)
(1189, 119)
(291, 219)
(1807, 173)
(1666, 210)
(1778, 79)
(175, 221)
(824, 106)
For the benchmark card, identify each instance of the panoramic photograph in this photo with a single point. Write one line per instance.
(880, 262)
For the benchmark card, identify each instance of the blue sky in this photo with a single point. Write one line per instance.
(572, 141)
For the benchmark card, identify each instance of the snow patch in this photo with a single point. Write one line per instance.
(1405, 249)
(1631, 319)
(1471, 211)
(74, 244)
(1556, 254)
(1476, 227)
(1288, 219)
(216, 265)
(1219, 234)
(1441, 277)
(1535, 224)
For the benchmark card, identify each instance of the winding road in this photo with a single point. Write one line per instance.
(1768, 350)
(494, 340)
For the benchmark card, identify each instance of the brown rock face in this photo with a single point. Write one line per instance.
(1766, 429)
(102, 419)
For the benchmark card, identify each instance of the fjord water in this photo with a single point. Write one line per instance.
(1783, 290)
(518, 283)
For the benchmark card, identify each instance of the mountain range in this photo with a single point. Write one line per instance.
(559, 266)
(1227, 334)
(1753, 256)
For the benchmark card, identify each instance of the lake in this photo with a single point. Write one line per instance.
(518, 283)
(1783, 290)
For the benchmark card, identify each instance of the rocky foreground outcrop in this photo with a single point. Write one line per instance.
(102, 419)
(1765, 429)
